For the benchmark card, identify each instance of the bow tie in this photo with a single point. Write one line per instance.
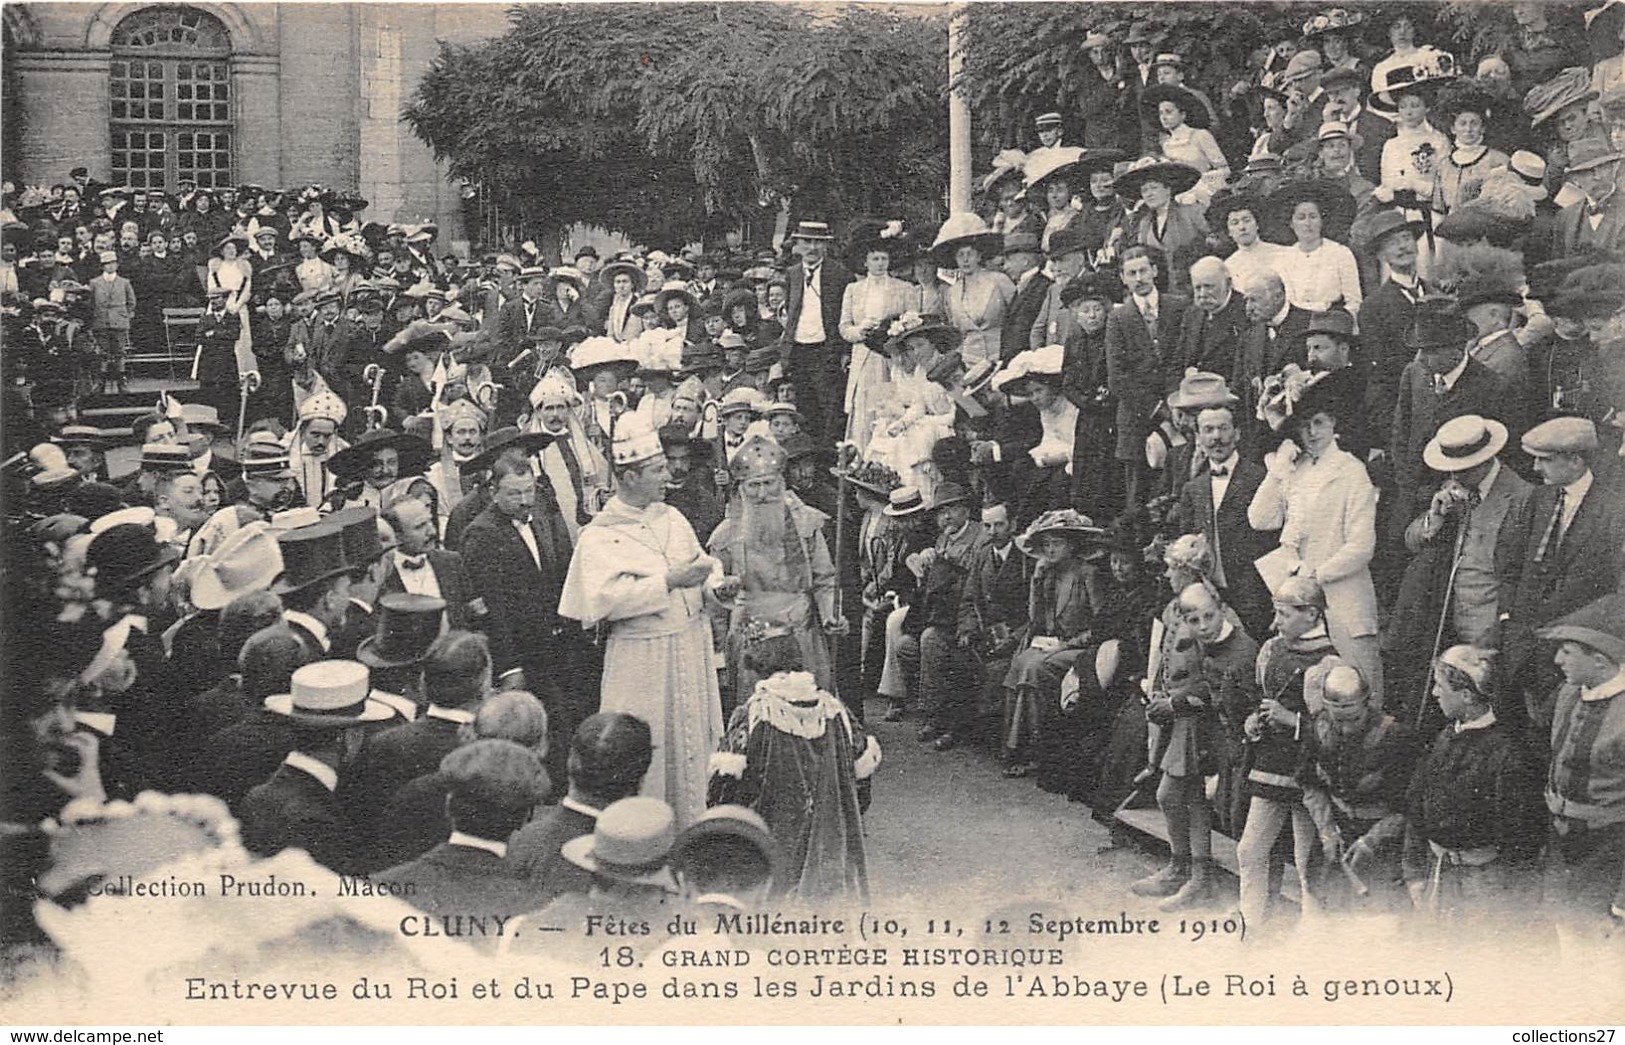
(1219, 472)
(414, 562)
(1594, 209)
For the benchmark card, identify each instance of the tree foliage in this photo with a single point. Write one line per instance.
(665, 120)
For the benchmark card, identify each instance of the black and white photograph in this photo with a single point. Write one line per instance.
(821, 513)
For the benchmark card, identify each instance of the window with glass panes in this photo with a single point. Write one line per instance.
(171, 99)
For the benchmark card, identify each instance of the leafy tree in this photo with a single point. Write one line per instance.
(667, 120)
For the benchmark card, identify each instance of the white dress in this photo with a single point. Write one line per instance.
(1316, 278)
(923, 414)
(658, 660)
(875, 300)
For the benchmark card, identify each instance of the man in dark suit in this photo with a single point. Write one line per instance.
(314, 585)
(1266, 347)
(1344, 88)
(298, 807)
(1022, 265)
(812, 345)
(1595, 224)
(415, 566)
(493, 785)
(517, 553)
(609, 756)
(1054, 323)
(993, 603)
(1211, 334)
(1559, 550)
(1141, 361)
(1215, 502)
(1387, 313)
(456, 677)
(526, 314)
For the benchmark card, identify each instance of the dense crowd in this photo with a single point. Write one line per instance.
(1258, 459)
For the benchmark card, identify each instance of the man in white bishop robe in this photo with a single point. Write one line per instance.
(639, 570)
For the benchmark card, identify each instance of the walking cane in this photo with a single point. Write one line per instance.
(373, 374)
(247, 385)
(1444, 615)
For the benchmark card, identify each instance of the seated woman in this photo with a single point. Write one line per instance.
(1458, 175)
(1061, 610)
(1185, 137)
(1049, 421)
(1071, 755)
(913, 412)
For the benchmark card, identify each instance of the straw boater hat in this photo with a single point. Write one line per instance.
(812, 230)
(903, 501)
(247, 561)
(1066, 521)
(1179, 177)
(334, 694)
(631, 843)
(739, 400)
(965, 229)
(1464, 442)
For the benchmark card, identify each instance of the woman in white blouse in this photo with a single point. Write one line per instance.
(1320, 274)
(915, 412)
(621, 323)
(312, 272)
(977, 299)
(868, 306)
(1323, 501)
(230, 271)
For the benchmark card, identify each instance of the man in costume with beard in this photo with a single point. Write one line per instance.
(775, 550)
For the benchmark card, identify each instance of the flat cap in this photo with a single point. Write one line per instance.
(1561, 435)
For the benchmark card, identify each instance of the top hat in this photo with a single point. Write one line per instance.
(125, 554)
(247, 561)
(1464, 442)
(310, 555)
(332, 694)
(630, 843)
(359, 527)
(407, 625)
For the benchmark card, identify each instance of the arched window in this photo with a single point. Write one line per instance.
(171, 93)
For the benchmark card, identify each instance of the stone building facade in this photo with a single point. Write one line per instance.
(275, 94)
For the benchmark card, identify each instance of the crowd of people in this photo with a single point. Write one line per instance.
(1258, 459)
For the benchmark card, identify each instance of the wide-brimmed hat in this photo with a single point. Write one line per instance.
(1370, 230)
(1099, 285)
(675, 288)
(1429, 70)
(871, 476)
(310, 555)
(1571, 86)
(416, 455)
(1487, 288)
(631, 843)
(1340, 393)
(1144, 32)
(1044, 365)
(1337, 322)
(407, 625)
(1060, 162)
(1589, 291)
(913, 324)
(904, 501)
(1218, 212)
(232, 237)
(1196, 114)
(1306, 62)
(1333, 20)
(247, 561)
(1009, 163)
(1332, 197)
(965, 229)
(504, 439)
(596, 353)
(333, 694)
(1066, 521)
(1464, 442)
(571, 275)
(1599, 625)
(1179, 177)
(1199, 389)
(625, 268)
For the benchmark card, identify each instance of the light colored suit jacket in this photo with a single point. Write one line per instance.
(112, 304)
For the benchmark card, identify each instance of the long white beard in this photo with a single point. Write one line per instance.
(764, 526)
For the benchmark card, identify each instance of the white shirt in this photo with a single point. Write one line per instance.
(471, 842)
(569, 802)
(1573, 495)
(457, 715)
(325, 774)
(1612, 688)
(1489, 478)
(97, 721)
(810, 324)
(529, 538)
(1250, 266)
(1147, 305)
(1484, 721)
(419, 581)
(310, 624)
(1221, 483)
